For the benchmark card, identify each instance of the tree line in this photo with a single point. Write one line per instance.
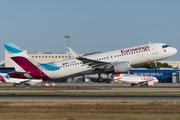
(151, 65)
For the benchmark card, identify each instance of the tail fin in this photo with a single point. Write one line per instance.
(2, 79)
(19, 59)
(23, 63)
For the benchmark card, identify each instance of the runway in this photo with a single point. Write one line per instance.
(87, 98)
(104, 88)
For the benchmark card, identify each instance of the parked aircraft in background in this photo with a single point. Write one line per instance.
(117, 61)
(136, 80)
(17, 81)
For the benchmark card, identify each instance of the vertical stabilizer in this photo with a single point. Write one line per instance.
(18, 57)
(23, 63)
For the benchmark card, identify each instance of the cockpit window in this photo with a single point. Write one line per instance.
(165, 46)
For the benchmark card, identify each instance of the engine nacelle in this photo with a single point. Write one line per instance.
(120, 67)
(150, 83)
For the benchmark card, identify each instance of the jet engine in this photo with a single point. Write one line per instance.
(150, 83)
(120, 67)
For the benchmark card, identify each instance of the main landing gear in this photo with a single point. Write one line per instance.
(144, 84)
(99, 79)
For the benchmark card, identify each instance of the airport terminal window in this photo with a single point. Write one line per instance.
(146, 73)
(159, 74)
(56, 56)
(140, 74)
(52, 56)
(39, 56)
(154, 74)
(49, 56)
(46, 56)
(65, 56)
(42, 56)
(62, 56)
(166, 74)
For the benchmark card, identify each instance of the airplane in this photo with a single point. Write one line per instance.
(17, 82)
(117, 61)
(136, 80)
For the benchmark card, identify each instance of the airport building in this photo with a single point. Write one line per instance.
(163, 75)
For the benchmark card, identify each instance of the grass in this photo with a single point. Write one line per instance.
(93, 93)
(90, 111)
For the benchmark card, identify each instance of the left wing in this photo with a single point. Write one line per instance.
(92, 63)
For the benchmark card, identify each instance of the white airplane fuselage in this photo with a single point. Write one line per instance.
(154, 53)
(5, 79)
(74, 67)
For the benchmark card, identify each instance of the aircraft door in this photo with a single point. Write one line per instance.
(154, 49)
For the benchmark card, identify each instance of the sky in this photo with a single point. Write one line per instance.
(96, 25)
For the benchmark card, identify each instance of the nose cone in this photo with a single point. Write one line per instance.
(171, 51)
(174, 51)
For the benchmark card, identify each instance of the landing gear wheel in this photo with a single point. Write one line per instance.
(100, 79)
(132, 85)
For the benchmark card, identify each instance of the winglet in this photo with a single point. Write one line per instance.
(73, 53)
